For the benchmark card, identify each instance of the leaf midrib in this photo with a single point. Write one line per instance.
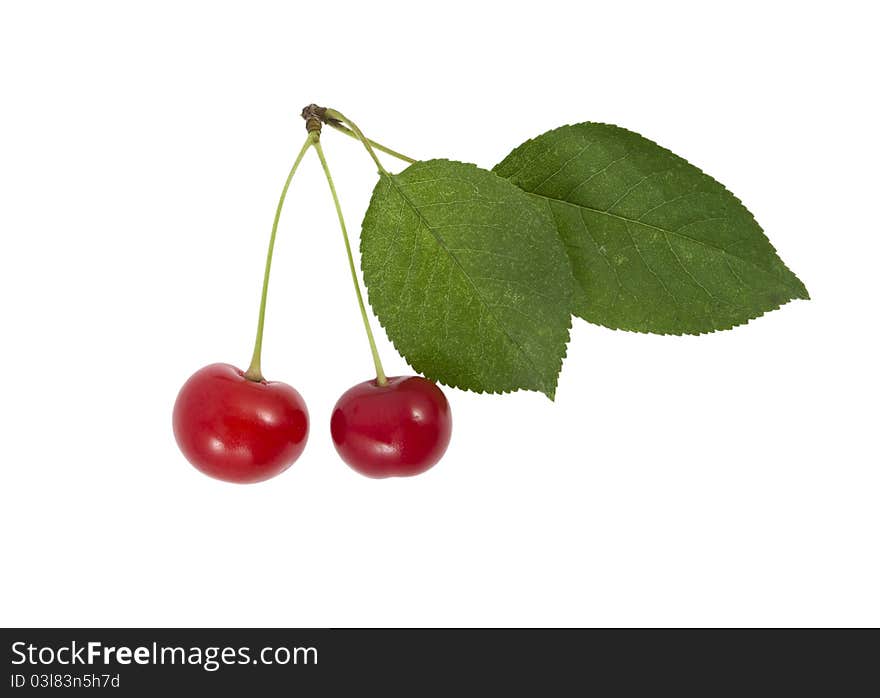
(442, 243)
(659, 229)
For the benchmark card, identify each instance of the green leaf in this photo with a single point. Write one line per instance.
(655, 244)
(468, 277)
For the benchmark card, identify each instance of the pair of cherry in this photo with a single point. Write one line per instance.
(240, 430)
(234, 425)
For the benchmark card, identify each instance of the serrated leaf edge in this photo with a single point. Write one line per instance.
(549, 391)
(806, 293)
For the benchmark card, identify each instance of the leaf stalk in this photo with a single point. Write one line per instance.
(332, 116)
(377, 146)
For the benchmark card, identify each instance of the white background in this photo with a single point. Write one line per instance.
(729, 479)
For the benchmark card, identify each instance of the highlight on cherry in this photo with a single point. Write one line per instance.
(476, 275)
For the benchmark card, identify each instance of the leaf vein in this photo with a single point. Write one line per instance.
(442, 244)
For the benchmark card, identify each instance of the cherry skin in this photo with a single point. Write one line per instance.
(236, 429)
(398, 429)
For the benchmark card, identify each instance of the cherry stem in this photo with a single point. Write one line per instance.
(380, 373)
(333, 115)
(378, 146)
(254, 371)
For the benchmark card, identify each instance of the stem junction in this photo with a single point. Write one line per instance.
(315, 116)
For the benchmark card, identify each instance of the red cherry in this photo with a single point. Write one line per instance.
(398, 429)
(236, 429)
